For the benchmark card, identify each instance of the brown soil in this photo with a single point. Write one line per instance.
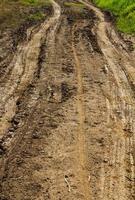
(14, 22)
(67, 119)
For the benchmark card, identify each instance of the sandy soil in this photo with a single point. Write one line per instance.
(67, 118)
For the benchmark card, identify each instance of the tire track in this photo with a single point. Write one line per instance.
(24, 65)
(81, 146)
(28, 68)
(121, 98)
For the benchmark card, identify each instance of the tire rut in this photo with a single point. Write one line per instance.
(122, 97)
(81, 146)
(25, 63)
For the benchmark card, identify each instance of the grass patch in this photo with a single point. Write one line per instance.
(36, 16)
(124, 10)
(13, 13)
(35, 2)
(74, 5)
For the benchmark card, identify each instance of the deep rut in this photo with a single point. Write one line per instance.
(67, 121)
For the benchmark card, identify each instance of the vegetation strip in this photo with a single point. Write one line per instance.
(123, 10)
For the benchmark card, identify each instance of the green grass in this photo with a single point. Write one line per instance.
(124, 10)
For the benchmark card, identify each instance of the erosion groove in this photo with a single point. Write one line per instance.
(67, 117)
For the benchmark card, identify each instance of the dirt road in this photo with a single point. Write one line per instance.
(67, 118)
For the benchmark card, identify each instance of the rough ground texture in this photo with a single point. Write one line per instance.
(15, 19)
(67, 118)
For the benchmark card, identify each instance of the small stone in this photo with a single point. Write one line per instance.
(105, 160)
(42, 151)
(11, 129)
(35, 135)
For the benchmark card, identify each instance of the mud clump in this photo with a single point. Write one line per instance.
(41, 58)
(91, 38)
(66, 91)
(109, 17)
(2, 148)
(68, 68)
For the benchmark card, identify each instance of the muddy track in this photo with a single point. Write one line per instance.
(67, 119)
(24, 65)
(81, 146)
(121, 100)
